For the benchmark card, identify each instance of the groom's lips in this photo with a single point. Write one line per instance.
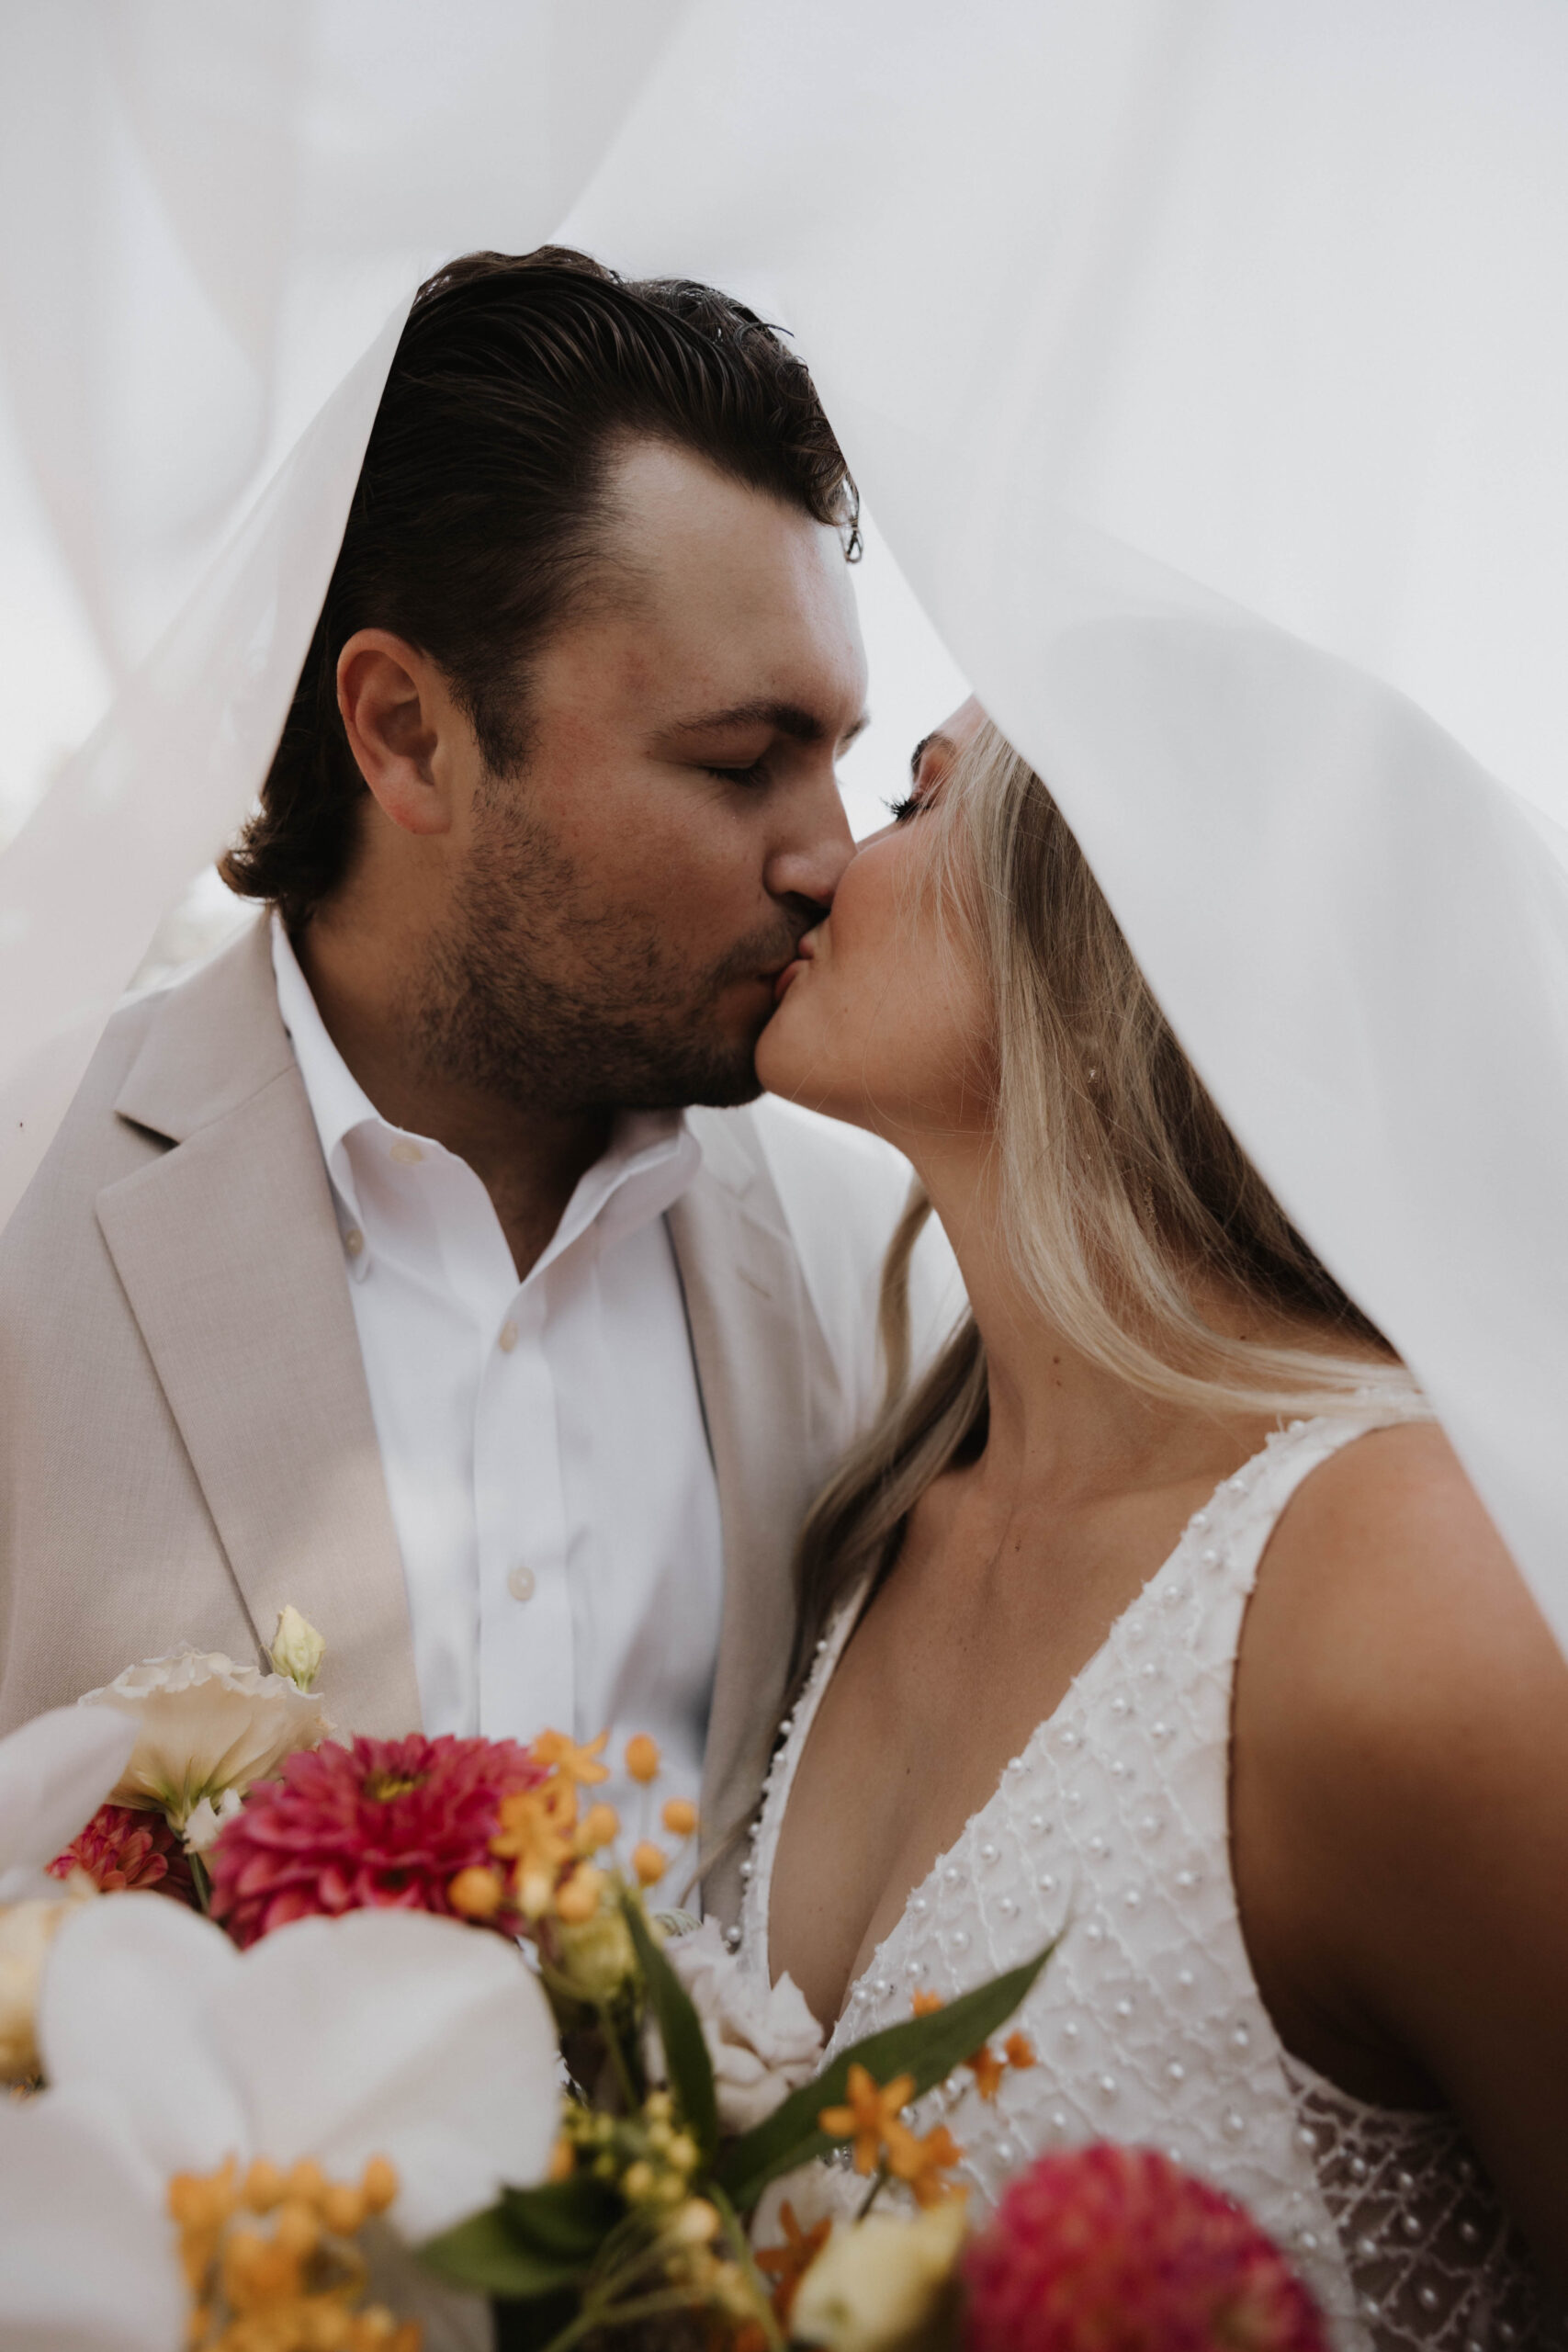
(792, 970)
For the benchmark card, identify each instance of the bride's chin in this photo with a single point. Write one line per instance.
(781, 1066)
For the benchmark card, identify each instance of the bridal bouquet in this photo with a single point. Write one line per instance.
(371, 2034)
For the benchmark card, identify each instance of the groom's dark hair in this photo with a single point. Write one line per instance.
(475, 524)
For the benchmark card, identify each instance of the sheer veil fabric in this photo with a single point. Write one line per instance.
(1202, 363)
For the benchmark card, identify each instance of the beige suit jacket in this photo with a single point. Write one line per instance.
(186, 1433)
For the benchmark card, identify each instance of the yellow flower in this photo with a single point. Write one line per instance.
(880, 2285)
(680, 1816)
(642, 1757)
(919, 2163)
(579, 1766)
(1020, 2051)
(601, 1825)
(302, 2284)
(988, 2070)
(537, 1832)
(476, 1893)
(925, 2004)
(870, 2115)
(578, 1900)
(649, 1862)
(785, 2266)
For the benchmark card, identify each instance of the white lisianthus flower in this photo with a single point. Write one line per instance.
(762, 2040)
(879, 2285)
(297, 1649)
(204, 1725)
(385, 2034)
(206, 1819)
(54, 1774)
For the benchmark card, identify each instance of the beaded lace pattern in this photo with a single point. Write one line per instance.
(1111, 1832)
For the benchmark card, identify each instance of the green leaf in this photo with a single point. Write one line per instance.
(927, 2048)
(535, 2242)
(485, 2252)
(680, 2029)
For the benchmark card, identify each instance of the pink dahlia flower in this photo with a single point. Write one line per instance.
(1110, 2249)
(125, 1848)
(385, 1822)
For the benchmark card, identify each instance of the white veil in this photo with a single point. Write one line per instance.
(1203, 365)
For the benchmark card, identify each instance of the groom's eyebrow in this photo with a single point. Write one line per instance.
(789, 719)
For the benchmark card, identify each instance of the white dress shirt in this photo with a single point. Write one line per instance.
(543, 1441)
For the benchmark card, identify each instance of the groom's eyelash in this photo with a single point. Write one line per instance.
(756, 774)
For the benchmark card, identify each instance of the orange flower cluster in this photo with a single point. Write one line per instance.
(785, 2267)
(295, 2288)
(1018, 2051)
(549, 1839)
(872, 2120)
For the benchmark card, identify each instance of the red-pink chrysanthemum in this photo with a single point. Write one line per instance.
(125, 1849)
(1110, 2249)
(383, 1823)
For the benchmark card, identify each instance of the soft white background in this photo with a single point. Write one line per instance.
(1203, 362)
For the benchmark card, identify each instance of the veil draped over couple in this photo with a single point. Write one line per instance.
(426, 1260)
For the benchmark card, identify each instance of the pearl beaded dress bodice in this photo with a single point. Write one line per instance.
(1111, 1834)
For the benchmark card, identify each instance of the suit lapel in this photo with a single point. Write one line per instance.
(769, 1390)
(229, 1250)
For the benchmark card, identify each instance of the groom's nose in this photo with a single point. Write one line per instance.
(809, 859)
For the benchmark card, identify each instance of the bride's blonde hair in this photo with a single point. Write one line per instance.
(1122, 1194)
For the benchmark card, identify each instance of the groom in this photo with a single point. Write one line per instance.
(379, 1267)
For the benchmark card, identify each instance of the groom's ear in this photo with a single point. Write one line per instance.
(403, 726)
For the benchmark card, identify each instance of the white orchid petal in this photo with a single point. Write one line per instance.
(393, 2033)
(85, 2253)
(54, 1774)
(130, 2005)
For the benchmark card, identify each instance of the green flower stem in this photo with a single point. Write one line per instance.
(598, 2315)
(201, 1882)
(742, 2247)
(874, 2192)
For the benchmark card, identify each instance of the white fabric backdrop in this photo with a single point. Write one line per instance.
(1204, 363)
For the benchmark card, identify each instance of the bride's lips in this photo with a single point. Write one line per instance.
(793, 970)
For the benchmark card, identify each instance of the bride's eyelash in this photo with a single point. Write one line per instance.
(900, 810)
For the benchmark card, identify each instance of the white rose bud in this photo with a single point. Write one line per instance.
(878, 2285)
(298, 1649)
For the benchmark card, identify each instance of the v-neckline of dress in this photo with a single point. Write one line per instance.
(830, 1649)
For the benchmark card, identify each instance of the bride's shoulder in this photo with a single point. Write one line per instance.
(1392, 1648)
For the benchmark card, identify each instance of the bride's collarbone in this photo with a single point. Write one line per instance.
(957, 1661)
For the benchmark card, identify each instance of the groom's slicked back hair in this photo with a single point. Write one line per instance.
(475, 527)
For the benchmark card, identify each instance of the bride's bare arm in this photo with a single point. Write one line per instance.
(1399, 1810)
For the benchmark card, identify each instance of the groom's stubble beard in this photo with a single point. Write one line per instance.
(534, 994)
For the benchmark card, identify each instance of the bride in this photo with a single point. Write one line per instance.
(1159, 1619)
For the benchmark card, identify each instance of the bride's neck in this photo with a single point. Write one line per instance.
(1061, 1423)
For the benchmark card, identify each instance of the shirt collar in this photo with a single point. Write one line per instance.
(338, 1102)
(651, 1159)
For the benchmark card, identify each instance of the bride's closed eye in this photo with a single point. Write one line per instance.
(901, 809)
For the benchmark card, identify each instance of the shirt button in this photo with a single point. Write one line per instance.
(353, 1241)
(520, 1583)
(406, 1153)
(508, 1338)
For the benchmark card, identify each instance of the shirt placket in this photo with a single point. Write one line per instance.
(527, 1663)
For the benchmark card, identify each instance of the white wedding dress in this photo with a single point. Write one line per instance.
(1111, 1832)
